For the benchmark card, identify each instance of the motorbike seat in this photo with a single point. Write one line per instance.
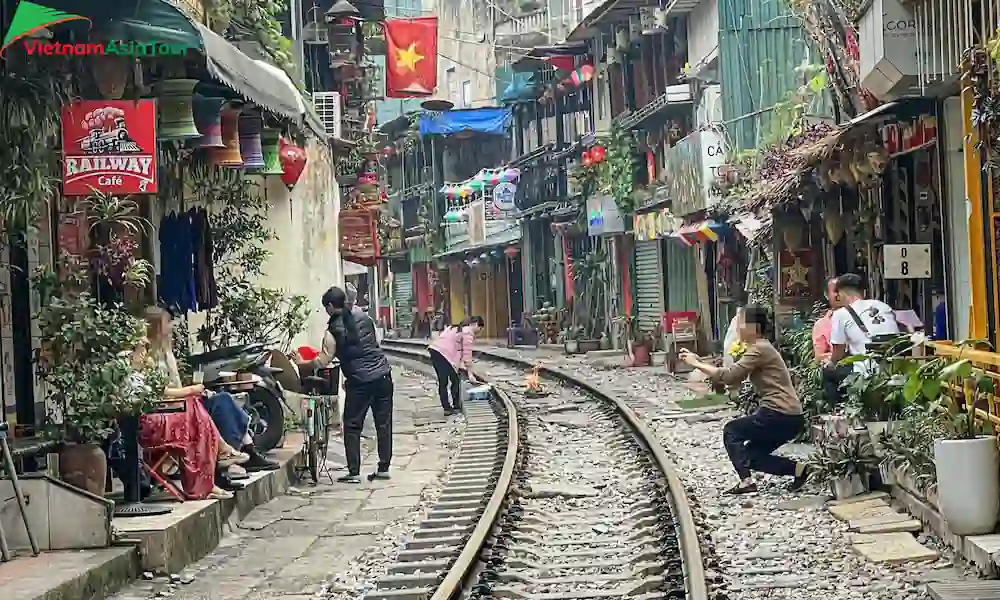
(220, 354)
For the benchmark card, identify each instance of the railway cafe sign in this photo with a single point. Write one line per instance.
(110, 146)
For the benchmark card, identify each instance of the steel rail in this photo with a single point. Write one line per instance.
(468, 559)
(687, 531)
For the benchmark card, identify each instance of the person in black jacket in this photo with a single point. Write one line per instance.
(368, 382)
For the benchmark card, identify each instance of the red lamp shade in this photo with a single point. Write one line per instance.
(293, 161)
(597, 153)
(510, 251)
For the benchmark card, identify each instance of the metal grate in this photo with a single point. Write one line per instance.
(945, 29)
(329, 109)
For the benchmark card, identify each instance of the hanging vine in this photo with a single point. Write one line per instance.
(261, 21)
(983, 69)
(29, 131)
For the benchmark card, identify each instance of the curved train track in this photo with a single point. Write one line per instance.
(566, 495)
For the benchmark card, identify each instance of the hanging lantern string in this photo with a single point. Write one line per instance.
(478, 182)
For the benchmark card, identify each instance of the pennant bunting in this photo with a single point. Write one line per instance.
(411, 57)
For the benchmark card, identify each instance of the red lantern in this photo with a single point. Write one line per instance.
(586, 159)
(597, 153)
(387, 150)
(293, 161)
(510, 252)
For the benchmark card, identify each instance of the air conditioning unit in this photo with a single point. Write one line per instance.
(330, 111)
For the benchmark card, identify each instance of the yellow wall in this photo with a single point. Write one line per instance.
(456, 283)
(978, 319)
(490, 298)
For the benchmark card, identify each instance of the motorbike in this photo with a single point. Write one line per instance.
(265, 401)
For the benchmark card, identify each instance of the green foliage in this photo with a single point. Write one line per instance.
(262, 21)
(29, 130)
(86, 342)
(909, 444)
(807, 374)
(841, 457)
(247, 312)
(616, 173)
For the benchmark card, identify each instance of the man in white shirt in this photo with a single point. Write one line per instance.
(858, 322)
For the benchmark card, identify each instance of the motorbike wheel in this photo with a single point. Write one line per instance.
(267, 419)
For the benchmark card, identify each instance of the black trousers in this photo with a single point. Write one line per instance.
(447, 376)
(833, 378)
(360, 397)
(750, 441)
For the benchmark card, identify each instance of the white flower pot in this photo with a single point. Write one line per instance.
(847, 487)
(968, 477)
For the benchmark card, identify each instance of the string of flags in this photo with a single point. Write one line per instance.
(480, 181)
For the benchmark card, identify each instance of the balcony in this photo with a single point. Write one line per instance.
(691, 170)
(527, 29)
(916, 47)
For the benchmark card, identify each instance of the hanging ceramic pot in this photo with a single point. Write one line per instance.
(271, 147)
(293, 161)
(251, 125)
(111, 73)
(229, 154)
(176, 110)
(208, 119)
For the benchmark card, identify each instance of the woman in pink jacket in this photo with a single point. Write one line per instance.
(451, 353)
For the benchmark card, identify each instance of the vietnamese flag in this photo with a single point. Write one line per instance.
(411, 57)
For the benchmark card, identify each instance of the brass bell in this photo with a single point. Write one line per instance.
(208, 118)
(271, 148)
(250, 126)
(176, 110)
(229, 155)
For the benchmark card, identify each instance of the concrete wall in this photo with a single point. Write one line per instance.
(470, 60)
(703, 31)
(306, 256)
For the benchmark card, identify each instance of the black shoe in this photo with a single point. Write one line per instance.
(379, 475)
(449, 412)
(349, 479)
(223, 481)
(800, 480)
(740, 489)
(257, 461)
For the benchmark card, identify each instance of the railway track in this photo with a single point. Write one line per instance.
(565, 496)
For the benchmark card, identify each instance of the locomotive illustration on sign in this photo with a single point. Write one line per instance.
(109, 145)
(107, 133)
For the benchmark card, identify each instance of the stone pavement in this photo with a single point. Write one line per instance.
(309, 543)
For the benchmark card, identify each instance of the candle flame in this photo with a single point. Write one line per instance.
(531, 380)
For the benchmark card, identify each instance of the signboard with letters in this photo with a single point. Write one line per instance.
(691, 169)
(906, 261)
(603, 217)
(109, 145)
(653, 225)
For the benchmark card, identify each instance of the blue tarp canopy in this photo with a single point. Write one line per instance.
(522, 88)
(494, 121)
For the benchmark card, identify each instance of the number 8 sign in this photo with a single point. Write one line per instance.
(906, 261)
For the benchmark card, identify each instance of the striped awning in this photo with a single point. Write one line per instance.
(702, 231)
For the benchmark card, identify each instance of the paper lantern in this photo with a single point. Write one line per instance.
(293, 161)
(511, 252)
(208, 119)
(176, 110)
(229, 155)
(597, 153)
(251, 124)
(586, 160)
(270, 146)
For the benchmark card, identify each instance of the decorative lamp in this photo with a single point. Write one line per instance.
(271, 148)
(229, 155)
(598, 153)
(586, 159)
(511, 252)
(208, 119)
(342, 9)
(251, 125)
(293, 161)
(176, 110)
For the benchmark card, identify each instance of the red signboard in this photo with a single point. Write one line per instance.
(109, 145)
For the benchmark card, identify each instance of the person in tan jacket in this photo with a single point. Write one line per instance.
(751, 440)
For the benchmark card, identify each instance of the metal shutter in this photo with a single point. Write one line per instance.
(648, 284)
(402, 299)
(682, 286)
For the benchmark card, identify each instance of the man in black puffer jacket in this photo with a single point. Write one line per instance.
(367, 382)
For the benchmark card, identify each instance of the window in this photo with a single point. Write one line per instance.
(466, 94)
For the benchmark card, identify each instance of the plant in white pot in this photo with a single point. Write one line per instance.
(845, 463)
(967, 463)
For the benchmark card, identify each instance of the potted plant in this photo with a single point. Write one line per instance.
(845, 462)
(967, 463)
(571, 339)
